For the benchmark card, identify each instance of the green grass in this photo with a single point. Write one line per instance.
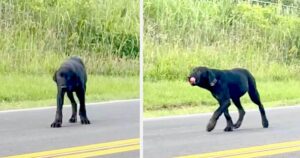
(167, 62)
(164, 98)
(36, 64)
(27, 91)
(220, 34)
(37, 35)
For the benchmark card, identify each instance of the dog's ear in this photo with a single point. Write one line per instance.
(54, 76)
(211, 78)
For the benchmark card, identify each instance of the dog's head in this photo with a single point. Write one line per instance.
(65, 79)
(202, 76)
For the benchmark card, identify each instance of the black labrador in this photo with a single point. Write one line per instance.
(71, 77)
(225, 85)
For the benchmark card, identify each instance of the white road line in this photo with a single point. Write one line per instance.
(210, 113)
(68, 105)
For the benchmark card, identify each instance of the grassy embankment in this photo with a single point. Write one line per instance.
(220, 34)
(37, 36)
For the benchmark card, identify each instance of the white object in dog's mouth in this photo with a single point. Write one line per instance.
(192, 80)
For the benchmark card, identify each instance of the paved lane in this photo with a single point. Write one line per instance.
(28, 131)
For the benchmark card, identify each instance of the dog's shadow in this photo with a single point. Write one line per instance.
(78, 124)
(240, 131)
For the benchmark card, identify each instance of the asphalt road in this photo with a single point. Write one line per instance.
(28, 131)
(186, 135)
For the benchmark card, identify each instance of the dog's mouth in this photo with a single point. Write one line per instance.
(63, 87)
(66, 88)
(192, 80)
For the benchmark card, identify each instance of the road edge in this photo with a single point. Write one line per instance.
(68, 105)
(209, 113)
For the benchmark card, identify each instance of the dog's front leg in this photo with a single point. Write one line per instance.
(224, 104)
(229, 126)
(60, 101)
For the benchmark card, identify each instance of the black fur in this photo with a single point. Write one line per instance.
(225, 85)
(71, 77)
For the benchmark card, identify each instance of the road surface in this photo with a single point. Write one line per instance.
(113, 132)
(186, 136)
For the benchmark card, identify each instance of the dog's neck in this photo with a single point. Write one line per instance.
(213, 83)
(209, 86)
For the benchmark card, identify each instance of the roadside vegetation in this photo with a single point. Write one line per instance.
(38, 35)
(179, 35)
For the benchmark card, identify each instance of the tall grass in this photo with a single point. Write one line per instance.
(222, 34)
(36, 35)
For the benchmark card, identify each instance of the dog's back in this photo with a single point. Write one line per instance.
(240, 81)
(77, 59)
(76, 65)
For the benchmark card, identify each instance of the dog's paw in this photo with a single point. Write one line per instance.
(73, 120)
(265, 123)
(228, 129)
(85, 121)
(211, 125)
(56, 124)
(237, 125)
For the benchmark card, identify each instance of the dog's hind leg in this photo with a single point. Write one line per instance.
(241, 110)
(73, 118)
(264, 119)
(254, 96)
(229, 126)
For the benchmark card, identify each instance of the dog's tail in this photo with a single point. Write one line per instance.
(253, 93)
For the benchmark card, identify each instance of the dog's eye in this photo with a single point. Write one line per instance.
(61, 75)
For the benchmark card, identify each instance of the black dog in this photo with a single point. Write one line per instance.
(71, 77)
(225, 85)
